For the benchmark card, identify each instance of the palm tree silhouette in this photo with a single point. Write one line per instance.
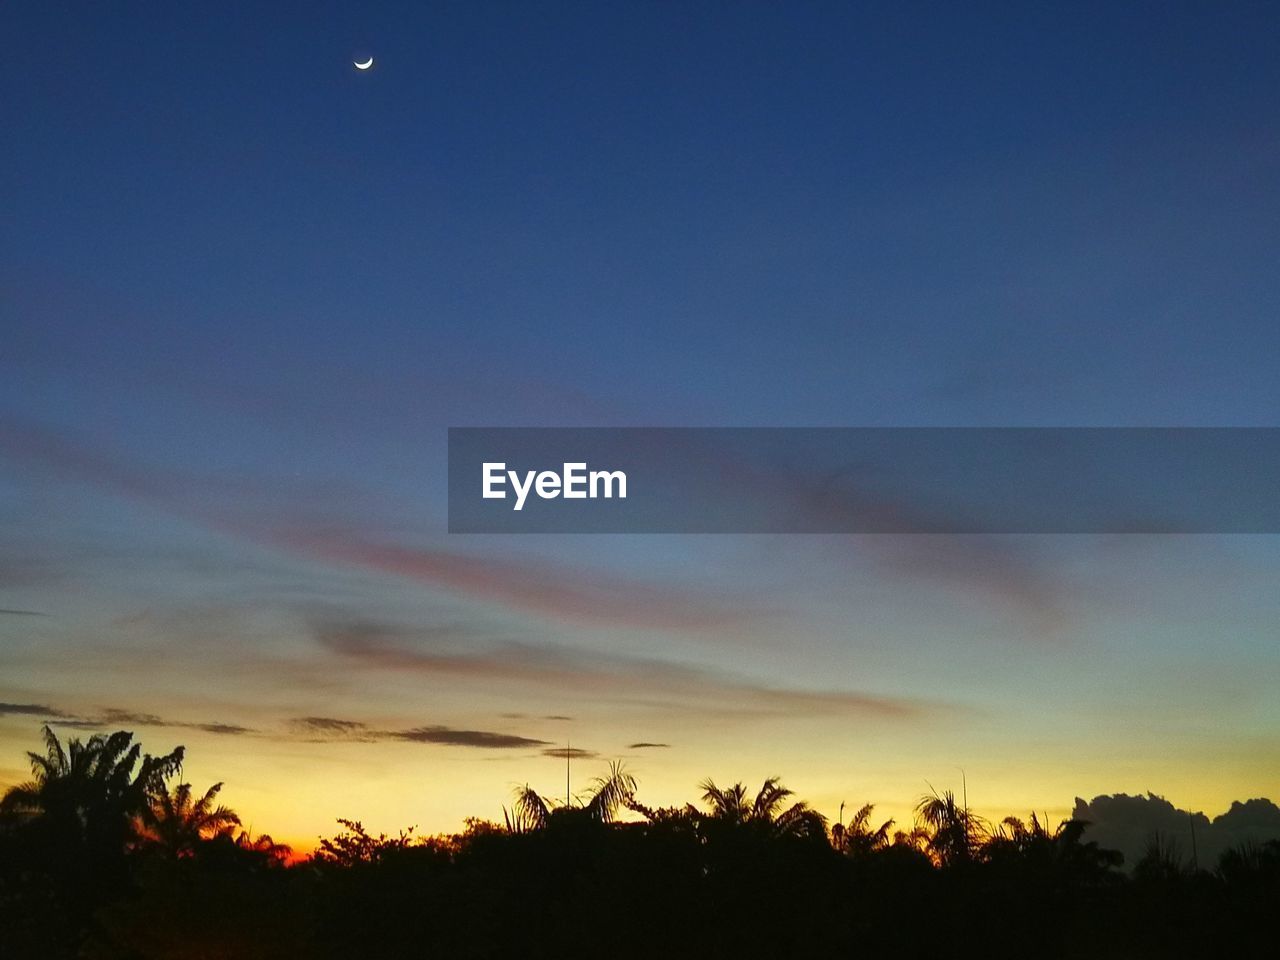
(263, 846)
(529, 811)
(89, 792)
(955, 833)
(731, 806)
(857, 838)
(1062, 849)
(176, 823)
(609, 794)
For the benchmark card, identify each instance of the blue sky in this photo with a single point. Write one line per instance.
(246, 288)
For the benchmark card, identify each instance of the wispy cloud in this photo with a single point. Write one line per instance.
(542, 588)
(7, 612)
(328, 725)
(467, 738)
(915, 543)
(227, 729)
(645, 745)
(388, 646)
(994, 567)
(258, 513)
(998, 568)
(570, 753)
(30, 710)
(328, 729)
(114, 717)
(315, 729)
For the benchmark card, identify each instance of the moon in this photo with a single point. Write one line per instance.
(363, 66)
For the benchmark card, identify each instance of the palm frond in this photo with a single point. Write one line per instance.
(769, 798)
(531, 810)
(611, 793)
(22, 799)
(56, 756)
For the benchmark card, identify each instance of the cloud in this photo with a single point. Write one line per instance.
(998, 568)
(570, 753)
(51, 449)
(922, 535)
(328, 725)
(540, 587)
(319, 729)
(8, 612)
(1128, 824)
(644, 745)
(331, 729)
(467, 738)
(381, 645)
(30, 710)
(225, 729)
(258, 514)
(1256, 813)
(114, 717)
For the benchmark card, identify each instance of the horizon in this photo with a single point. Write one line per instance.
(1146, 818)
(583, 771)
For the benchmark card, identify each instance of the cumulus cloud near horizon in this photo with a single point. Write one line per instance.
(1130, 823)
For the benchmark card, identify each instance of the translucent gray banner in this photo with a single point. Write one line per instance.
(864, 480)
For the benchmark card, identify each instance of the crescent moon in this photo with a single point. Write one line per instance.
(363, 66)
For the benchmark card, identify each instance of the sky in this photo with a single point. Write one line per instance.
(245, 289)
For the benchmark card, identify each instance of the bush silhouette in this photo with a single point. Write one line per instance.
(101, 856)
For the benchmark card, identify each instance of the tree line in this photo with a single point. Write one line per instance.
(106, 853)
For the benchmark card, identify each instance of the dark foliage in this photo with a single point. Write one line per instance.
(101, 858)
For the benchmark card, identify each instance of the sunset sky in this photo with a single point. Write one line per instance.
(245, 289)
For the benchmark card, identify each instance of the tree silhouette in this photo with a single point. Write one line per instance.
(355, 845)
(954, 833)
(857, 839)
(1251, 864)
(1062, 850)
(529, 811)
(176, 823)
(743, 873)
(90, 792)
(608, 794)
(1162, 861)
(765, 812)
(263, 846)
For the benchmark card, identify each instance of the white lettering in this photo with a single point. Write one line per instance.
(609, 478)
(575, 473)
(493, 475)
(573, 483)
(521, 491)
(548, 484)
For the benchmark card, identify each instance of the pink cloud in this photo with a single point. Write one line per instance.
(260, 514)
